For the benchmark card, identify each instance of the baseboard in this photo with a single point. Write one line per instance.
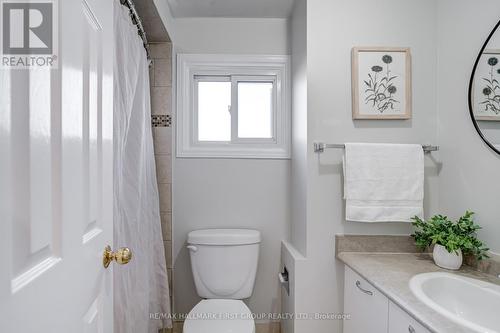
(269, 327)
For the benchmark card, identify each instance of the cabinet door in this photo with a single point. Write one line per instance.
(367, 307)
(401, 322)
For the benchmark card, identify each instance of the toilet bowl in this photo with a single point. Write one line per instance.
(224, 265)
(219, 316)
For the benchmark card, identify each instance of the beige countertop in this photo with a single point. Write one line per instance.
(390, 273)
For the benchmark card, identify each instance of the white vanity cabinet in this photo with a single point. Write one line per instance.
(401, 322)
(367, 307)
(371, 311)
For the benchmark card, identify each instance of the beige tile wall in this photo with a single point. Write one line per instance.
(161, 105)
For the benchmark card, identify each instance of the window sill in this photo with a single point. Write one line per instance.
(235, 153)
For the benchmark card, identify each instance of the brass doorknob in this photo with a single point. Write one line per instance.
(122, 256)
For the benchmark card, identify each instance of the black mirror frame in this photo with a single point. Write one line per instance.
(471, 87)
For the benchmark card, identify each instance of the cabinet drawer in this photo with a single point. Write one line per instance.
(367, 307)
(401, 322)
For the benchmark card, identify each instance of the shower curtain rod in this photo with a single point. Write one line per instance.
(136, 20)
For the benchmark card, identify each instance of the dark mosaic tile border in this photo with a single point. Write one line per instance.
(161, 120)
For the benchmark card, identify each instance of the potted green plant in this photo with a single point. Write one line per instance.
(450, 239)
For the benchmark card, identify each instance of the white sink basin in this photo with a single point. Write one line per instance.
(469, 302)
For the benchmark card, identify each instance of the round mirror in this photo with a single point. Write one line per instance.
(484, 91)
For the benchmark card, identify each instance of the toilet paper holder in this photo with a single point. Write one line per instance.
(283, 278)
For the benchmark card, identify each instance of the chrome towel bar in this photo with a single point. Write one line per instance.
(320, 147)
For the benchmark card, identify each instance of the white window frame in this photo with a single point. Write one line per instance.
(192, 68)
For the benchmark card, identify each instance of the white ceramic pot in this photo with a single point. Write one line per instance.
(445, 259)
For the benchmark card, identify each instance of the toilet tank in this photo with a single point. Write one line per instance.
(224, 262)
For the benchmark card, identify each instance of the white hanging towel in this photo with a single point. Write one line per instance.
(383, 182)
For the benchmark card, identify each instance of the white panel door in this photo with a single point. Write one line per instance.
(56, 162)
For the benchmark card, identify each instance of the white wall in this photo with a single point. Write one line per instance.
(209, 193)
(293, 252)
(470, 177)
(231, 36)
(166, 16)
(298, 43)
(333, 28)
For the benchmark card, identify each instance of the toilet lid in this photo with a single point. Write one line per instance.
(219, 316)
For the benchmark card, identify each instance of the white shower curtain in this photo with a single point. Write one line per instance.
(141, 293)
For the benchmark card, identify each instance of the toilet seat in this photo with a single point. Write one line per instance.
(220, 316)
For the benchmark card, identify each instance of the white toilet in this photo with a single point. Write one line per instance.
(224, 264)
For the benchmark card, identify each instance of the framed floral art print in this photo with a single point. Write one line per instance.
(486, 94)
(381, 83)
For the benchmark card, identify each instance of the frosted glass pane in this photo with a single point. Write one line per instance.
(255, 108)
(214, 117)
